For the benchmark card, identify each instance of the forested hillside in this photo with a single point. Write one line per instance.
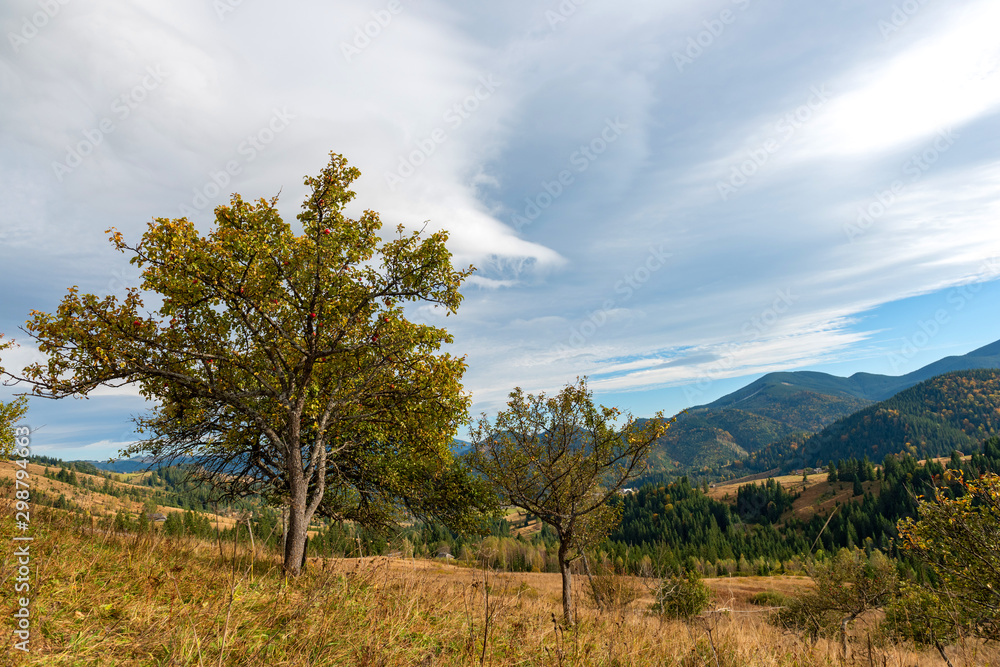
(953, 411)
(799, 400)
(679, 525)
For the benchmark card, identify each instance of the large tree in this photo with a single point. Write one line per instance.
(562, 459)
(284, 362)
(9, 412)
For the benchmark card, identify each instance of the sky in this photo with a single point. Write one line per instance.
(669, 198)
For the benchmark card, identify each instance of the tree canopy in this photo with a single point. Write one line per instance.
(284, 362)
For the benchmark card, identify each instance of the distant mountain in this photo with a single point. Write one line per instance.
(797, 407)
(782, 409)
(120, 465)
(137, 464)
(957, 410)
(712, 438)
(864, 386)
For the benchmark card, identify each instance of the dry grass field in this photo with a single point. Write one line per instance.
(729, 592)
(101, 599)
(792, 483)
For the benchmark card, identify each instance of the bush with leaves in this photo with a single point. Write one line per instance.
(682, 596)
(924, 618)
(960, 540)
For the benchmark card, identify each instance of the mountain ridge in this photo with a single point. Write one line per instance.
(789, 405)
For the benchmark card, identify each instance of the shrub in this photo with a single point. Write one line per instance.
(924, 618)
(681, 596)
(957, 538)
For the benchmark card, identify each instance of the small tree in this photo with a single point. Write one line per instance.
(9, 412)
(960, 540)
(562, 459)
(847, 585)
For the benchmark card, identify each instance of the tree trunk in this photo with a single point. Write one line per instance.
(567, 584)
(843, 638)
(298, 525)
(843, 633)
(940, 649)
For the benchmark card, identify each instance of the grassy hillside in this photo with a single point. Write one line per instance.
(116, 599)
(103, 495)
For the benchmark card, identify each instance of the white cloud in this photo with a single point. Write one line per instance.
(943, 81)
(571, 293)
